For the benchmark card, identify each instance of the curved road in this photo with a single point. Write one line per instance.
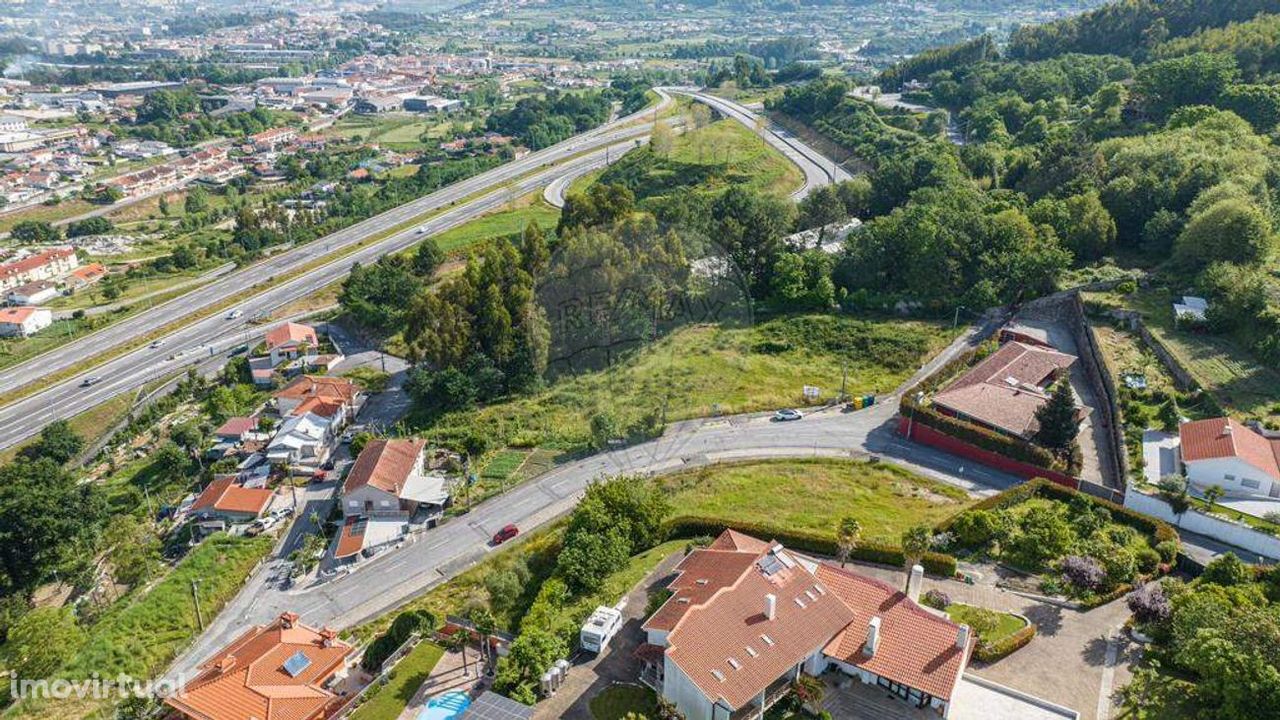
(218, 333)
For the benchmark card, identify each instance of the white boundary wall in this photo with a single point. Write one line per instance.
(1240, 535)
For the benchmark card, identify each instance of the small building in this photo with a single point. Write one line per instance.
(237, 429)
(282, 671)
(24, 321)
(225, 499)
(390, 479)
(303, 439)
(1226, 453)
(336, 390)
(431, 104)
(288, 341)
(83, 277)
(1192, 309)
(33, 293)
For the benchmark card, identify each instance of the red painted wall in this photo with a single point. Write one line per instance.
(929, 436)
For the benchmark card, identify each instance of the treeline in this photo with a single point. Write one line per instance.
(1134, 27)
(1255, 45)
(543, 122)
(175, 117)
(825, 106)
(968, 53)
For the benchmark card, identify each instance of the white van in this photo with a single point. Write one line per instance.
(600, 628)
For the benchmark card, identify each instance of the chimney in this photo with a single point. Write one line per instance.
(287, 619)
(962, 637)
(226, 663)
(327, 637)
(873, 636)
(914, 581)
(770, 606)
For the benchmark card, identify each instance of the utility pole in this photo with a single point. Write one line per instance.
(195, 595)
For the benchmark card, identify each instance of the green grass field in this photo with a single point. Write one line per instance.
(1241, 384)
(398, 131)
(813, 495)
(616, 701)
(141, 634)
(388, 701)
(498, 224)
(705, 370)
(990, 625)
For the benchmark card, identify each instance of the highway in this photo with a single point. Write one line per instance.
(218, 333)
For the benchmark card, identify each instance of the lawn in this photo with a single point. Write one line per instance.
(990, 626)
(389, 700)
(397, 131)
(47, 213)
(503, 464)
(813, 495)
(142, 634)
(705, 370)
(1242, 385)
(616, 701)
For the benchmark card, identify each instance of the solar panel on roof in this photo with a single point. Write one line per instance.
(297, 663)
(491, 706)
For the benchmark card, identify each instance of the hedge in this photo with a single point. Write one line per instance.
(1157, 529)
(687, 526)
(1116, 593)
(991, 652)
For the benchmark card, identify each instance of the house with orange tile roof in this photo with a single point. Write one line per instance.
(225, 499)
(23, 321)
(1223, 452)
(85, 276)
(1004, 390)
(335, 390)
(289, 340)
(748, 617)
(282, 671)
(385, 488)
(46, 265)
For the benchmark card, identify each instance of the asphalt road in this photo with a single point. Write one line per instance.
(818, 170)
(219, 333)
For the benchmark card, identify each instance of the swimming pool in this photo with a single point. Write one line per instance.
(445, 707)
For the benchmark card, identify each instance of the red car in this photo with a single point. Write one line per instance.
(505, 534)
(319, 476)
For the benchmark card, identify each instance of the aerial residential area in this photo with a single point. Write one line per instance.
(716, 360)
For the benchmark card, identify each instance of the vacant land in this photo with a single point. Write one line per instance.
(1222, 366)
(513, 218)
(813, 495)
(388, 701)
(397, 131)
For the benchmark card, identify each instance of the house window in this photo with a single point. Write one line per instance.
(353, 503)
(1250, 483)
(1229, 478)
(385, 503)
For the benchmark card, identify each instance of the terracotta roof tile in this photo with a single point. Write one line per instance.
(1005, 389)
(225, 496)
(291, 332)
(322, 386)
(384, 464)
(1223, 438)
(248, 680)
(916, 647)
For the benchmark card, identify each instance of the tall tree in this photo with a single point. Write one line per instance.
(1057, 419)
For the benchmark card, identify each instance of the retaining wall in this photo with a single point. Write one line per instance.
(1242, 536)
(929, 436)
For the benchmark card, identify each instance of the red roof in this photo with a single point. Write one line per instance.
(731, 650)
(318, 406)
(384, 464)
(224, 495)
(352, 538)
(237, 426)
(275, 672)
(915, 648)
(1005, 389)
(16, 315)
(291, 333)
(38, 260)
(1225, 438)
(333, 389)
(722, 638)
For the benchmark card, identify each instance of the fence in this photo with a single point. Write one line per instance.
(932, 437)
(349, 704)
(1226, 531)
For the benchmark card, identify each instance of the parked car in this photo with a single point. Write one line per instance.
(505, 534)
(319, 476)
(787, 414)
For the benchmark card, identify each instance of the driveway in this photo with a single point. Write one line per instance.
(593, 673)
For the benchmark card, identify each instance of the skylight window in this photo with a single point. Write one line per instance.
(297, 663)
(799, 602)
(718, 675)
(767, 640)
(752, 651)
(733, 663)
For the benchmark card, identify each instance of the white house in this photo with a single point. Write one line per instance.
(1191, 309)
(24, 321)
(289, 340)
(301, 439)
(747, 617)
(1223, 452)
(390, 478)
(33, 293)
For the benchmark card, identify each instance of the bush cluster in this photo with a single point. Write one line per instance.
(991, 652)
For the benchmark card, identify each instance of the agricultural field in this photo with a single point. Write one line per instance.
(814, 495)
(397, 131)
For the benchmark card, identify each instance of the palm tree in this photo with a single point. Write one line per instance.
(915, 543)
(458, 643)
(848, 532)
(1213, 494)
(485, 624)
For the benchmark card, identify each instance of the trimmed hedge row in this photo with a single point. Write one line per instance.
(687, 526)
(1098, 601)
(1158, 529)
(998, 443)
(991, 652)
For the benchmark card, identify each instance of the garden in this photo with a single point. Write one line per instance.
(1063, 542)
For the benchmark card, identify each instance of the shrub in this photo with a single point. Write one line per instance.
(991, 652)
(1148, 560)
(936, 599)
(1084, 573)
(1149, 604)
(976, 528)
(1168, 551)
(1227, 570)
